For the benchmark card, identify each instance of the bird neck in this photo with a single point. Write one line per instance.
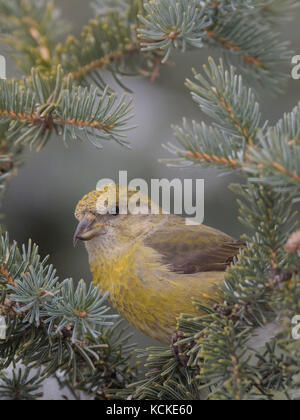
(113, 271)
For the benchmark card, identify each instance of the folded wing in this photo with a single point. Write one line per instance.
(193, 249)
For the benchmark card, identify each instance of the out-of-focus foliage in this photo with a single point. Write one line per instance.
(218, 354)
(54, 326)
(58, 327)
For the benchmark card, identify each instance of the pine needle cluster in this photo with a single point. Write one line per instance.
(65, 329)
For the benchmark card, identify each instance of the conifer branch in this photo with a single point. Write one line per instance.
(32, 29)
(234, 48)
(262, 286)
(236, 116)
(221, 362)
(169, 24)
(172, 24)
(206, 145)
(21, 386)
(54, 326)
(105, 61)
(37, 107)
(216, 95)
(108, 42)
(213, 158)
(275, 11)
(277, 162)
(252, 47)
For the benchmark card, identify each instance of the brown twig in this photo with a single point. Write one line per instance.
(242, 130)
(284, 171)
(103, 62)
(213, 158)
(50, 119)
(232, 47)
(7, 275)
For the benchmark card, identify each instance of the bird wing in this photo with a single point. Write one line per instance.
(193, 249)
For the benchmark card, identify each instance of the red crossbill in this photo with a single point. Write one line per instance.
(152, 265)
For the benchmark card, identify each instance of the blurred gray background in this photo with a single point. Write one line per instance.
(40, 202)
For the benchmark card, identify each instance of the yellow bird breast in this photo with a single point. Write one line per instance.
(147, 293)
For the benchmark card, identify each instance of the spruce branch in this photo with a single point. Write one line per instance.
(81, 308)
(252, 47)
(262, 286)
(37, 107)
(222, 95)
(31, 292)
(32, 29)
(238, 5)
(166, 379)
(52, 326)
(218, 345)
(206, 145)
(35, 31)
(274, 369)
(108, 42)
(114, 371)
(169, 24)
(276, 11)
(238, 139)
(230, 375)
(276, 163)
(56, 326)
(20, 385)
(265, 213)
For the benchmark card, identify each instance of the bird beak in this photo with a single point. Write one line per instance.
(81, 229)
(86, 230)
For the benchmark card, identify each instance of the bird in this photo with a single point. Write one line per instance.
(152, 265)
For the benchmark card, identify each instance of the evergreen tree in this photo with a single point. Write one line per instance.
(65, 330)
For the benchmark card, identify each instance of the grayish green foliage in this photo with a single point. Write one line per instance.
(262, 286)
(173, 24)
(32, 30)
(59, 327)
(250, 43)
(22, 385)
(56, 327)
(37, 106)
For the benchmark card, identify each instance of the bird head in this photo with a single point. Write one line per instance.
(103, 222)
